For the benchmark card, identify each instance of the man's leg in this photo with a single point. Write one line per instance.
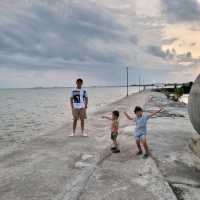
(75, 119)
(74, 126)
(82, 118)
(82, 125)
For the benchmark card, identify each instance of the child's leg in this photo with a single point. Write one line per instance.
(138, 145)
(115, 144)
(144, 143)
(114, 139)
(116, 149)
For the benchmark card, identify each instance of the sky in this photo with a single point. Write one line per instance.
(51, 43)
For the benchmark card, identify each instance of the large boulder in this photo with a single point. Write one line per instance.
(194, 104)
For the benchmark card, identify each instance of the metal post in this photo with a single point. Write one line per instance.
(127, 81)
(139, 82)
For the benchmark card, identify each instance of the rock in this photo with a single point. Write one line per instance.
(194, 105)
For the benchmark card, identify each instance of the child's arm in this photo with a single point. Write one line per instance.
(108, 118)
(155, 113)
(128, 116)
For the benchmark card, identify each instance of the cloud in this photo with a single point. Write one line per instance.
(95, 39)
(171, 56)
(181, 10)
(45, 33)
(169, 41)
(76, 35)
(156, 51)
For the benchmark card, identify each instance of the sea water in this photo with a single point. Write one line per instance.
(27, 113)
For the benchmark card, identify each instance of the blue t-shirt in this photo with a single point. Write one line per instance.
(141, 125)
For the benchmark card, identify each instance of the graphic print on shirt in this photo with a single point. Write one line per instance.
(79, 98)
(76, 97)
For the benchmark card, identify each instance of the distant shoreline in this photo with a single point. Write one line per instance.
(156, 86)
(37, 88)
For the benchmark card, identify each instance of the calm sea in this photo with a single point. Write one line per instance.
(26, 113)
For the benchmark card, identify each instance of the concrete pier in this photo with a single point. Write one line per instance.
(57, 167)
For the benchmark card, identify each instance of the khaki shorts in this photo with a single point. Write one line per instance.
(79, 113)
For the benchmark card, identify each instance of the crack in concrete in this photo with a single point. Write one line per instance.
(87, 180)
(186, 184)
(177, 192)
(77, 189)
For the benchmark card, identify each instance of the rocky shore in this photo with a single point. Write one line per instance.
(57, 167)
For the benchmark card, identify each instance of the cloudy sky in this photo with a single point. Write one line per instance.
(51, 43)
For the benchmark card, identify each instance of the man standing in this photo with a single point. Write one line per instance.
(79, 103)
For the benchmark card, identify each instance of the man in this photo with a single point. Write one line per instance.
(79, 103)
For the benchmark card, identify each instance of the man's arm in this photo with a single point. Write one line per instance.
(86, 102)
(128, 116)
(71, 103)
(155, 113)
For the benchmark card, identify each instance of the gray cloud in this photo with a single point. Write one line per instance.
(165, 55)
(169, 41)
(185, 59)
(46, 33)
(156, 51)
(76, 37)
(181, 10)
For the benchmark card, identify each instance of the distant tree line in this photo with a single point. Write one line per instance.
(176, 92)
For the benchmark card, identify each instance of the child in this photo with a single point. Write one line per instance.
(141, 129)
(114, 130)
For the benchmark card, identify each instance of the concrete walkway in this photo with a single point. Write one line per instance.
(171, 137)
(57, 167)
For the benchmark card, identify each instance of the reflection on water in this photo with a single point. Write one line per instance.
(25, 113)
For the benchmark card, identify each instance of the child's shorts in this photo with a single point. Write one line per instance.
(114, 136)
(140, 137)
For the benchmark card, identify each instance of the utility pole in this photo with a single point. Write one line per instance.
(127, 81)
(144, 87)
(139, 82)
